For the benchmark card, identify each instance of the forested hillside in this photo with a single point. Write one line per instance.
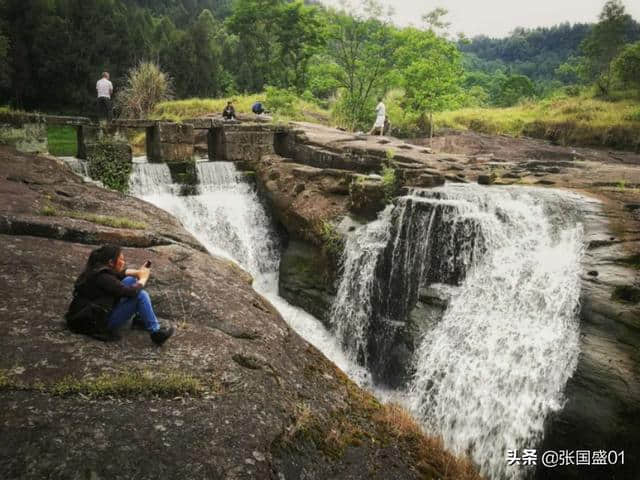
(544, 55)
(52, 52)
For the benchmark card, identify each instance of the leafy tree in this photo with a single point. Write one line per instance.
(299, 37)
(626, 66)
(605, 41)
(5, 67)
(276, 40)
(515, 88)
(435, 21)
(362, 48)
(430, 69)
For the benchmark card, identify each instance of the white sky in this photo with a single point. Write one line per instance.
(496, 18)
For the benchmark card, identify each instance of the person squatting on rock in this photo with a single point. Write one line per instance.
(105, 89)
(257, 108)
(106, 296)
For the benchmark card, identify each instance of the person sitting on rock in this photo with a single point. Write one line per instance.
(229, 113)
(106, 296)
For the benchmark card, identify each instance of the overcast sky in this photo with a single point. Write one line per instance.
(496, 18)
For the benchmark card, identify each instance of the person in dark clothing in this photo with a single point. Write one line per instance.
(257, 108)
(106, 296)
(229, 113)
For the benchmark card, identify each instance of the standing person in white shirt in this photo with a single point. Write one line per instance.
(105, 89)
(381, 114)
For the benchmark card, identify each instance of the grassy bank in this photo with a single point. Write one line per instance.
(281, 105)
(62, 141)
(578, 121)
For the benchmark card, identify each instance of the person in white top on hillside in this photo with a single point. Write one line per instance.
(381, 114)
(105, 89)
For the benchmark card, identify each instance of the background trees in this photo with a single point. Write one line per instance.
(53, 51)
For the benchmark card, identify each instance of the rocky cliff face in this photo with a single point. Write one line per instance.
(234, 394)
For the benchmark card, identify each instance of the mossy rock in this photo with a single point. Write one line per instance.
(110, 162)
(367, 197)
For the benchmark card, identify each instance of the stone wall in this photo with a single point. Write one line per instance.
(170, 142)
(241, 142)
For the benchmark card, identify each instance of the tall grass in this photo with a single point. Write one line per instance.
(146, 86)
(569, 120)
(178, 110)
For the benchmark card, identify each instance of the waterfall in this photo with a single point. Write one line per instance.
(488, 371)
(78, 166)
(227, 217)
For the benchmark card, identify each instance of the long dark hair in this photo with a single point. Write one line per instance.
(98, 260)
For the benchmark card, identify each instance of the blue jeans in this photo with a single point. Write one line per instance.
(128, 306)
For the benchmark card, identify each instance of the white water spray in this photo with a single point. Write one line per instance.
(226, 216)
(495, 365)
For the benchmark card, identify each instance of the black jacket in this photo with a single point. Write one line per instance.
(229, 113)
(93, 299)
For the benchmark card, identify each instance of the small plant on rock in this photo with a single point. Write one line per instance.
(389, 183)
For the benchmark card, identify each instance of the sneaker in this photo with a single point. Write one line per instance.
(162, 335)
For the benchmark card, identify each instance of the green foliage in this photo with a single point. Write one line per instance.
(146, 86)
(604, 42)
(289, 107)
(633, 116)
(580, 120)
(331, 239)
(275, 41)
(430, 71)
(109, 162)
(535, 53)
(5, 67)
(362, 47)
(280, 101)
(48, 211)
(513, 89)
(626, 66)
(62, 141)
(389, 182)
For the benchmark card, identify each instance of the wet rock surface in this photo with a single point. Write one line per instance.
(234, 394)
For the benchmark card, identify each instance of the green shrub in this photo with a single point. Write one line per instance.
(110, 162)
(280, 101)
(389, 182)
(633, 116)
(146, 87)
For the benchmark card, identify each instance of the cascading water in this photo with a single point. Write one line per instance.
(490, 370)
(226, 216)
